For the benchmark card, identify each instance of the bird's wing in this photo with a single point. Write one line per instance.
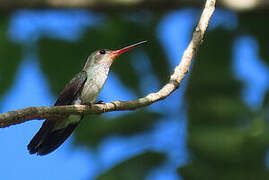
(72, 89)
(49, 137)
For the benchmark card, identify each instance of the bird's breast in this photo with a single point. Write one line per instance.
(93, 85)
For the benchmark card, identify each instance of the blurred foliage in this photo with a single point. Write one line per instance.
(226, 139)
(10, 56)
(95, 128)
(135, 168)
(257, 29)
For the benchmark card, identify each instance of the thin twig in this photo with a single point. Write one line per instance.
(22, 115)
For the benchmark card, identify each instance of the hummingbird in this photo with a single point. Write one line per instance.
(83, 89)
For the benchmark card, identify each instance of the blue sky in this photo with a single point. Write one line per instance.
(32, 89)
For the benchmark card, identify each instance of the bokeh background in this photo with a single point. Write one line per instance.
(215, 126)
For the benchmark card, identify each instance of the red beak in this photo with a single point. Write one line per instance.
(120, 51)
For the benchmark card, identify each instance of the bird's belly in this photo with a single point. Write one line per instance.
(94, 84)
(63, 123)
(90, 93)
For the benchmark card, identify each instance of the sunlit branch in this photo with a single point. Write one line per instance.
(22, 115)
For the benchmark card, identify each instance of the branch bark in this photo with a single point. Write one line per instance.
(22, 115)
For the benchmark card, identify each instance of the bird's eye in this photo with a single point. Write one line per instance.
(102, 51)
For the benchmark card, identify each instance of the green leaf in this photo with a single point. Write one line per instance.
(134, 168)
(9, 57)
(61, 60)
(256, 25)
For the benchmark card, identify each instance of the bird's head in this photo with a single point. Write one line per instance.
(106, 56)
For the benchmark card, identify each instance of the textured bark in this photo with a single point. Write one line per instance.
(22, 115)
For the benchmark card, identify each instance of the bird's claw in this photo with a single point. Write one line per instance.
(100, 102)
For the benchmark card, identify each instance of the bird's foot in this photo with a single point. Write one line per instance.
(100, 102)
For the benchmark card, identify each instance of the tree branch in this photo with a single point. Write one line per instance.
(22, 115)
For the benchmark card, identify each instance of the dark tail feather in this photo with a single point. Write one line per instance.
(47, 140)
(43, 131)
